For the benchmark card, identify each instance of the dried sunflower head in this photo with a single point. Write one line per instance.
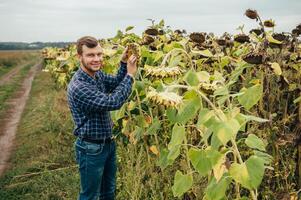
(133, 49)
(51, 53)
(151, 31)
(279, 36)
(241, 38)
(169, 99)
(208, 88)
(230, 43)
(148, 40)
(197, 37)
(221, 42)
(179, 32)
(253, 58)
(153, 48)
(161, 32)
(269, 23)
(163, 72)
(63, 56)
(199, 46)
(252, 14)
(207, 85)
(275, 46)
(298, 26)
(257, 31)
(296, 31)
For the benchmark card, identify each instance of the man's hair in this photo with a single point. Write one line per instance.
(89, 41)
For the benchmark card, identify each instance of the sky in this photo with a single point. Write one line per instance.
(68, 20)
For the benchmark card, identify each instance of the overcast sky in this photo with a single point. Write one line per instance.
(67, 20)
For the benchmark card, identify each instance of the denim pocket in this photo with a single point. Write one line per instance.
(79, 146)
(93, 149)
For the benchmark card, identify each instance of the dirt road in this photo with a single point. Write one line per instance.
(12, 116)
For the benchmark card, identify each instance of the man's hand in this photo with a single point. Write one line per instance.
(124, 57)
(132, 65)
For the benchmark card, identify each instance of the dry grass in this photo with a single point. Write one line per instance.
(16, 53)
(11, 59)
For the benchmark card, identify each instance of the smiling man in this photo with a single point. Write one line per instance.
(92, 94)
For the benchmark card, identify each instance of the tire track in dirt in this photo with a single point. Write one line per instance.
(9, 125)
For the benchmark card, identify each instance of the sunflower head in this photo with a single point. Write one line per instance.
(147, 39)
(241, 38)
(269, 23)
(197, 37)
(253, 58)
(252, 14)
(168, 99)
(296, 31)
(151, 31)
(257, 31)
(163, 72)
(221, 42)
(133, 49)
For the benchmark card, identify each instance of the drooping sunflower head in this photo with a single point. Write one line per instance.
(133, 49)
(279, 36)
(147, 39)
(221, 42)
(296, 31)
(257, 31)
(253, 58)
(252, 14)
(269, 23)
(241, 38)
(162, 72)
(168, 99)
(151, 31)
(197, 37)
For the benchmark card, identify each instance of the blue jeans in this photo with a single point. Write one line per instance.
(97, 168)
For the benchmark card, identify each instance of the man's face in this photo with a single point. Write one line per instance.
(92, 58)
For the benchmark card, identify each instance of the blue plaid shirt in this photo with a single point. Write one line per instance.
(91, 100)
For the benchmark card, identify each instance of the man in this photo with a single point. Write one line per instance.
(92, 94)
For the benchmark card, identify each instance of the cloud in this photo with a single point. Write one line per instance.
(56, 20)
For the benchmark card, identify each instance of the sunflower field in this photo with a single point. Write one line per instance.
(223, 112)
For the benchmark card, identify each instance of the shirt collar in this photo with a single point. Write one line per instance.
(84, 76)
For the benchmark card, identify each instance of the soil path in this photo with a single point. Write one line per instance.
(12, 116)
